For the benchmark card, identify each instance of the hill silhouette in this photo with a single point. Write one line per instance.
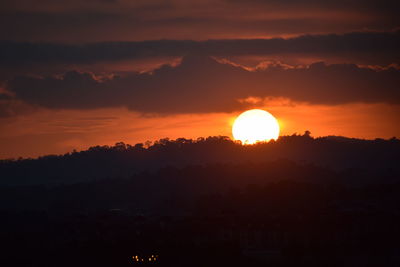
(374, 157)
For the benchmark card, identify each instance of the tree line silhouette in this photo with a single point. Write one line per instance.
(123, 160)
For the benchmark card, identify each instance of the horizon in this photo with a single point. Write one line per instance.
(369, 159)
(148, 143)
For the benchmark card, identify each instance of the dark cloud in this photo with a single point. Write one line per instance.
(102, 20)
(373, 5)
(201, 84)
(373, 46)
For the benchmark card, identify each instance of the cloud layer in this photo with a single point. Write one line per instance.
(115, 20)
(378, 47)
(201, 84)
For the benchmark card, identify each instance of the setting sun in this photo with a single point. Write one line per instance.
(255, 125)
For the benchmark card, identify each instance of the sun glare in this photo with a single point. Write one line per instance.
(255, 125)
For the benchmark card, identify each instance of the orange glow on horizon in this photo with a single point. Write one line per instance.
(60, 131)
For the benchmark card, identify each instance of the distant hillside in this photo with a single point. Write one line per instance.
(373, 157)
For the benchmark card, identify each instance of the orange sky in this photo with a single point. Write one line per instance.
(45, 131)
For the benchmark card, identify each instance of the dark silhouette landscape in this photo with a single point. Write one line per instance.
(297, 201)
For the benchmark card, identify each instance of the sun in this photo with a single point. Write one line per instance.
(255, 125)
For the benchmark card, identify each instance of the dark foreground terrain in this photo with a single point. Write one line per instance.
(299, 201)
